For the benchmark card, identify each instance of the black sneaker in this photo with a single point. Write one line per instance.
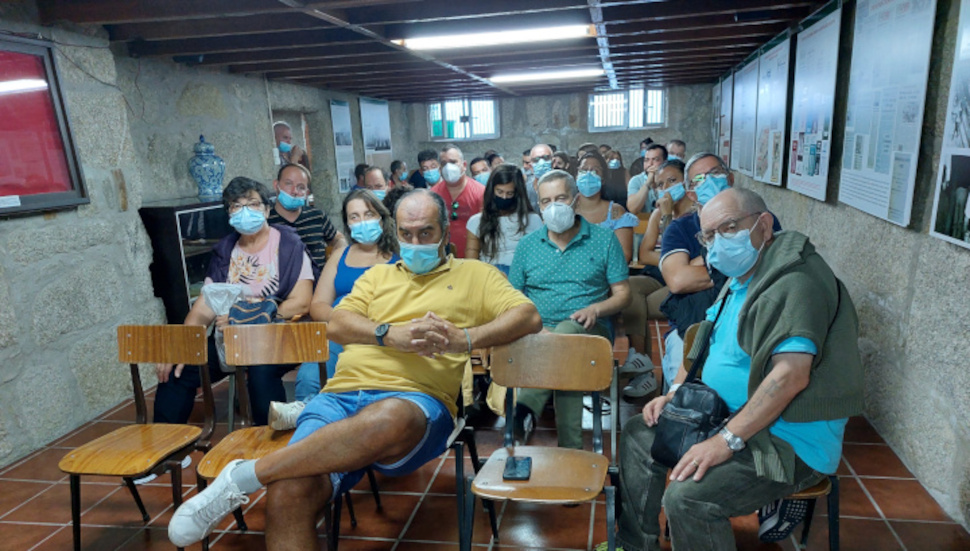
(780, 517)
(525, 423)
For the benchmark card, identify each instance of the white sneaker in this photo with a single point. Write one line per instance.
(196, 518)
(283, 415)
(146, 479)
(636, 363)
(641, 385)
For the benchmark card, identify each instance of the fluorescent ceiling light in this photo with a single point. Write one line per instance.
(497, 38)
(548, 75)
(22, 85)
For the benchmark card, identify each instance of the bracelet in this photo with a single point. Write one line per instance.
(674, 387)
(469, 339)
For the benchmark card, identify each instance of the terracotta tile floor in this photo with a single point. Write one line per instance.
(883, 507)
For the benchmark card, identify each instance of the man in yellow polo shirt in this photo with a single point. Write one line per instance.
(408, 329)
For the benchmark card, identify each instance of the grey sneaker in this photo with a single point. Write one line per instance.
(196, 518)
(283, 415)
(641, 385)
(636, 363)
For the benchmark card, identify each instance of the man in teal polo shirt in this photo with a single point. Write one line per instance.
(577, 276)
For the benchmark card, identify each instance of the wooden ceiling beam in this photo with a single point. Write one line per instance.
(245, 43)
(376, 62)
(201, 28)
(112, 12)
(334, 51)
(660, 11)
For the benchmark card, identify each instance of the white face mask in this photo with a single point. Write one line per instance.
(558, 217)
(451, 173)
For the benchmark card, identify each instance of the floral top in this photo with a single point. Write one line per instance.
(259, 272)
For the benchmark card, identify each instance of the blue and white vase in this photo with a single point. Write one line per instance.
(208, 169)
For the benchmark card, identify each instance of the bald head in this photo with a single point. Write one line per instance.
(742, 206)
(421, 213)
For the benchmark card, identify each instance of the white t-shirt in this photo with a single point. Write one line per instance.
(509, 235)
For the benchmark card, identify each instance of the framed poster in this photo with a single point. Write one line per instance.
(744, 117)
(774, 71)
(951, 215)
(343, 144)
(813, 102)
(39, 170)
(884, 118)
(724, 126)
(375, 122)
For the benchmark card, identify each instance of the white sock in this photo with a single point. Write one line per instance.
(244, 476)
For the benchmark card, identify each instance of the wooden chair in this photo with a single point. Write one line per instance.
(559, 476)
(827, 487)
(137, 450)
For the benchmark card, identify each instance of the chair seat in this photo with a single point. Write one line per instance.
(559, 475)
(129, 451)
(247, 443)
(812, 492)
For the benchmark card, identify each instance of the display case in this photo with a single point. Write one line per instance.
(182, 235)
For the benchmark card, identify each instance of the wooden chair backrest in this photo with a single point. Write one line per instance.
(689, 336)
(167, 344)
(554, 361)
(642, 226)
(276, 343)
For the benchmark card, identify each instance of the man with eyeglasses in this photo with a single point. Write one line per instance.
(292, 185)
(540, 159)
(783, 355)
(463, 196)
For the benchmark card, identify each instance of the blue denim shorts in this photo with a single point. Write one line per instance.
(329, 407)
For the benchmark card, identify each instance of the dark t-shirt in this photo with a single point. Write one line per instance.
(314, 228)
(417, 179)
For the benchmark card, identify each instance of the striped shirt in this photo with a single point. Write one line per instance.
(314, 228)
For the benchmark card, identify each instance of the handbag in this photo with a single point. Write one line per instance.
(254, 312)
(695, 413)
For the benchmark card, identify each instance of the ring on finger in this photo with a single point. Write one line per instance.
(695, 463)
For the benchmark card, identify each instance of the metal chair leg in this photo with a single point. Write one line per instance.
(335, 521)
(76, 510)
(130, 483)
(232, 402)
(374, 488)
(467, 525)
(610, 517)
(350, 510)
(833, 506)
(240, 521)
(809, 513)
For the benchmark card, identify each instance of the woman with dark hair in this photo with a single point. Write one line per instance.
(268, 262)
(373, 241)
(506, 217)
(562, 161)
(593, 205)
(616, 178)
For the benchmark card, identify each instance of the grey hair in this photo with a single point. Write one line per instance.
(540, 145)
(451, 146)
(438, 201)
(556, 175)
(283, 124)
(698, 156)
(748, 201)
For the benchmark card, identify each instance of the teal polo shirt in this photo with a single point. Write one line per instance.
(560, 282)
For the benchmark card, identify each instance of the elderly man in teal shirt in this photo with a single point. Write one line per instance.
(577, 276)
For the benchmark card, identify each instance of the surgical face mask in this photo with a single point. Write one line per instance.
(285, 147)
(367, 231)
(671, 157)
(676, 192)
(643, 153)
(613, 164)
(503, 203)
(289, 202)
(733, 255)
(420, 259)
(589, 183)
(431, 176)
(559, 217)
(380, 193)
(541, 167)
(451, 173)
(247, 221)
(711, 186)
(482, 177)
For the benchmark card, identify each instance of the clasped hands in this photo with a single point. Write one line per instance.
(428, 336)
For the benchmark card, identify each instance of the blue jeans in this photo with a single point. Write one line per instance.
(673, 356)
(308, 377)
(330, 407)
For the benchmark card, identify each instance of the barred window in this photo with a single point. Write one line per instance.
(628, 109)
(463, 119)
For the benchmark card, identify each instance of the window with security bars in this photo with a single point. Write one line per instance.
(463, 119)
(628, 109)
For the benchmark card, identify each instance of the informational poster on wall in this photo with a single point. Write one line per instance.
(724, 127)
(716, 114)
(884, 118)
(951, 209)
(375, 122)
(343, 144)
(773, 72)
(813, 102)
(744, 117)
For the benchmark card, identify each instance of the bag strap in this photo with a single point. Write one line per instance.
(702, 355)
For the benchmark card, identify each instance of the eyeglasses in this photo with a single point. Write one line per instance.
(716, 171)
(542, 158)
(299, 188)
(236, 207)
(454, 210)
(727, 229)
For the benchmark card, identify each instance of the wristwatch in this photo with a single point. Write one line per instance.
(381, 332)
(734, 442)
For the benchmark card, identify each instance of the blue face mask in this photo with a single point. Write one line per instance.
(289, 202)
(613, 164)
(366, 232)
(674, 158)
(540, 167)
(247, 221)
(589, 183)
(285, 147)
(643, 153)
(420, 259)
(711, 186)
(482, 178)
(380, 193)
(676, 192)
(432, 176)
(733, 256)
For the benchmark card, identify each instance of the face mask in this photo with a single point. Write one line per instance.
(676, 192)
(503, 203)
(589, 183)
(559, 217)
(366, 232)
(482, 178)
(711, 186)
(431, 176)
(733, 256)
(451, 173)
(289, 202)
(285, 147)
(643, 153)
(613, 163)
(380, 193)
(247, 221)
(420, 259)
(674, 158)
(540, 167)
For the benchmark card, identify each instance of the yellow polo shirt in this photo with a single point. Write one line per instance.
(467, 293)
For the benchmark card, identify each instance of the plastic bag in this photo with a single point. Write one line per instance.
(220, 297)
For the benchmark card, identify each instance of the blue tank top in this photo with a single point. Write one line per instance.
(343, 282)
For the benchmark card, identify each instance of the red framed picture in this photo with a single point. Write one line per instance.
(38, 162)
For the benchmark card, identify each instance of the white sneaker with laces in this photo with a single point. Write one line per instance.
(283, 415)
(146, 479)
(196, 518)
(636, 363)
(641, 385)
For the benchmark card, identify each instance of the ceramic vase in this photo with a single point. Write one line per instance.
(207, 169)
